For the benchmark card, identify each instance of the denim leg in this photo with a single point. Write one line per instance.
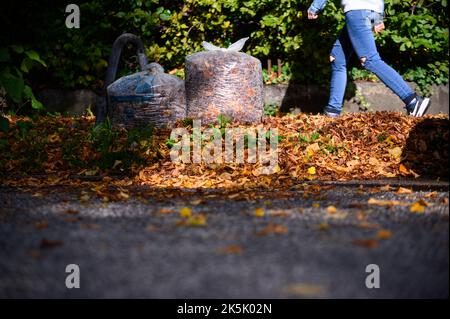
(339, 56)
(360, 33)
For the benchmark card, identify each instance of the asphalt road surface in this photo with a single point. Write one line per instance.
(296, 246)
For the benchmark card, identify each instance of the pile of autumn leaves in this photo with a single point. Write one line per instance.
(311, 147)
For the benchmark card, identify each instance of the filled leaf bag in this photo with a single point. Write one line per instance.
(148, 97)
(224, 82)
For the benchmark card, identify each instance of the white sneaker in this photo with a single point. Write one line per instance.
(418, 106)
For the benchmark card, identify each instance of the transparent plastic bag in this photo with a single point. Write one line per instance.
(226, 82)
(148, 97)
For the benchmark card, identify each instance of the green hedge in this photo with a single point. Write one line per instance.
(415, 41)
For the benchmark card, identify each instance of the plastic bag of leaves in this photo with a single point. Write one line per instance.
(226, 82)
(148, 97)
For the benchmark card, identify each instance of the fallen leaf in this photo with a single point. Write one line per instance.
(164, 211)
(384, 234)
(312, 149)
(304, 290)
(431, 195)
(380, 202)
(395, 152)
(259, 212)
(231, 249)
(418, 207)
(91, 226)
(331, 209)
(41, 225)
(48, 243)
(185, 212)
(312, 170)
(123, 195)
(402, 168)
(196, 202)
(367, 225)
(71, 212)
(278, 213)
(403, 190)
(85, 197)
(152, 228)
(272, 228)
(323, 226)
(385, 188)
(195, 221)
(367, 243)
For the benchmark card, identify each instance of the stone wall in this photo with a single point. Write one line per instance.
(364, 96)
(292, 97)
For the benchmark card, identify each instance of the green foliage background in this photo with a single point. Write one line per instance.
(415, 41)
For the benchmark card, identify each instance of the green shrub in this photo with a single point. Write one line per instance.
(415, 41)
(15, 64)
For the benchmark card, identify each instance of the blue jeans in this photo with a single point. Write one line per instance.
(357, 37)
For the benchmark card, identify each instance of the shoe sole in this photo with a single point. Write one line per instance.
(423, 107)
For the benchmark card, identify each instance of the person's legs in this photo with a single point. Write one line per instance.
(339, 56)
(359, 26)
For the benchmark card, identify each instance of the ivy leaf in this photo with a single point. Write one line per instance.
(13, 85)
(35, 57)
(17, 48)
(35, 104)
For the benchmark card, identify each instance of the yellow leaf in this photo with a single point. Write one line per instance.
(198, 220)
(331, 209)
(418, 207)
(381, 202)
(259, 212)
(312, 149)
(312, 170)
(396, 152)
(185, 212)
(277, 169)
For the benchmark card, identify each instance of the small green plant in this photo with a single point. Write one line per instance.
(364, 105)
(170, 142)
(223, 120)
(187, 122)
(330, 148)
(270, 110)
(363, 74)
(305, 139)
